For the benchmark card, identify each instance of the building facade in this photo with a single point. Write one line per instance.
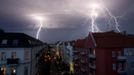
(107, 53)
(18, 54)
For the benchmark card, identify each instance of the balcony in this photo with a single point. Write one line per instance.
(122, 71)
(83, 53)
(92, 56)
(122, 58)
(83, 61)
(76, 58)
(76, 51)
(13, 61)
(93, 66)
(83, 69)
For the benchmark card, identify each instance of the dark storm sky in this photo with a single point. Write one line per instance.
(64, 20)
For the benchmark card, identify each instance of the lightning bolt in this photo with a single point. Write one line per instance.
(94, 15)
(40, 26)
(114, 18)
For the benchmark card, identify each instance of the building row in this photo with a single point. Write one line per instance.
(107, 53)
(19, 54)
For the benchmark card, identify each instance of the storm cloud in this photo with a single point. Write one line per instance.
(65, 19)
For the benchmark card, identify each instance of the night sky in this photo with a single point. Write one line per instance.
(64, 19)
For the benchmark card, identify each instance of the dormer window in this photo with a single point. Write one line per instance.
(4, 42)
(15, 42)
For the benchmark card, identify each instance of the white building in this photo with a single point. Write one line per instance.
(18, 54)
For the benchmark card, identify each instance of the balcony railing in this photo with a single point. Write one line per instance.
(83, 53)
(83, 69)
(93, 66)
(3, 61)
(76, 51)
(121, 57)
(13, 61)
(92, 56)
(83, 61)
(76, 58)
(122, 71)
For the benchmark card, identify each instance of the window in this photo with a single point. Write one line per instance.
(13, 70)
(2, 56)
(13, 55)
(114, 67)
(25, 70)
(113, 53)
(3, 70)
(92, 51)
(119, 53)
(122, 66)
(15, 42)
(27, 54)
(132, 64)
(130, 53)
(4, 42)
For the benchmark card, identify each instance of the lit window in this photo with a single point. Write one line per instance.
(13, 70)
(4, 42)
(114, 67)
(13, 55)
(3, 69)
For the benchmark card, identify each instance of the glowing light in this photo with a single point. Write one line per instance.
(94, 14)
(14, 71)
(95, 6)
(71, 67)
(38, 18)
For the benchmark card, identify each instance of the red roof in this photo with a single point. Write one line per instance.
(113, 39)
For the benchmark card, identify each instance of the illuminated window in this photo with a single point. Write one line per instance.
(13, 70)
(13, 55)
(3, 69)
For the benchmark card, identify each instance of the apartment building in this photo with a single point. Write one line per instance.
(106, 53)
(110, 54)
(18, 54)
